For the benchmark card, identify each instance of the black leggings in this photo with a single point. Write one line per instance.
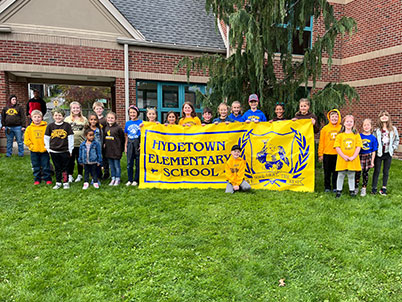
(386, 158)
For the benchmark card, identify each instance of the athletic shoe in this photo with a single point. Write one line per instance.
(383, 191)
(352, 193)
(338, 194)
(85, 186)
(66, 185)
(134, 183)
(374, 191)
(116, 182)
(356, 191)
(327, 190)
(363, 192)
(79, 178)
(57, 186)
(70, 178)
(49, 182)
(36, 183)
(112, 182)
(128, 183)
(96, 185)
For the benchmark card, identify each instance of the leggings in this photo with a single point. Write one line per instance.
(71, 163)
(386, 158)
(341, 178)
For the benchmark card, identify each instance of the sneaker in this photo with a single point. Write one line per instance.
(112, 182)
(128, 183)
(338, 194)
(36, 183)
(116, 182)
(96, 185)
(373, 191)
(327, 190)
(356, 191)
(383, 191)
(49, 182)
(85, 186)
(57, 186)
(70, 178)
(66, 185)
(352, 193)
(134, 183)
(334, 190)
(79, 178)
(363, 192)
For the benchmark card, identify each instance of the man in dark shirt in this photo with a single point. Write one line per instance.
(36, 103)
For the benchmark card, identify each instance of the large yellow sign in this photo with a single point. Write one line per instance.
(279, 155)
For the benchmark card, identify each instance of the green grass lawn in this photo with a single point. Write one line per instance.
(126, 244)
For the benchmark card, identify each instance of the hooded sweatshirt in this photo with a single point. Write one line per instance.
(13, 116)
(113, 140)
(34, 137)
(328, 135)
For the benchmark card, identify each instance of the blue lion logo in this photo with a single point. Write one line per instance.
(272, 156)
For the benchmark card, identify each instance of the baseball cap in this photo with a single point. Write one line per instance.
(253, 97)
(236, 147)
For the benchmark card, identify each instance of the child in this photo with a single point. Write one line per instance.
(234, 172)
(347, 144)
(93, 124)
(78, 122)
(151, 115)
(207, 116)
(99, 110)
(367, 155)
(171, 118)
(326, 152)
(236, 112)
(254, 114)
(279, 112)
(113, 142)
(34, 140)
(188, 116)
(90, 156)
(223, 115)
(132, 145)
(59, 142)
(304, 113)
(13, 119)
(388, 141)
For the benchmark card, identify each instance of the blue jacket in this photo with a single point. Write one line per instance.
(95, 153)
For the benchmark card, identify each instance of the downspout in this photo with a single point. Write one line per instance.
(126, 80)
(227, 41)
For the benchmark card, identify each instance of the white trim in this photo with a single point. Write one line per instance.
(340, 1)
(396, 78)
(122, 20)
(372, 55)
(5, 5)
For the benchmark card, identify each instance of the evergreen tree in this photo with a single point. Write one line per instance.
(264, 34)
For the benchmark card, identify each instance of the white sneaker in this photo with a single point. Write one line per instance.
(363, 192)
(79, 178)
(128, 183)
(116, 182)
(134, 183)
(66, 185)
(357, 191)
(57, 186)
(112, 182)
(70, 178)
(96, 185)
(85, 186)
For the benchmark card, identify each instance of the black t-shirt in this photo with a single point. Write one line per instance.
(59, 136)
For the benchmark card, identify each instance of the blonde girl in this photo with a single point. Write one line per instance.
(347, 144)
(188, 116)
(78, 123)
(152, 115)
(388, 141)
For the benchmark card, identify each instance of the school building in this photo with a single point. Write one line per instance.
(133, 47)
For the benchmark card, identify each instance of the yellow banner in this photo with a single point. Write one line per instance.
(279, 155)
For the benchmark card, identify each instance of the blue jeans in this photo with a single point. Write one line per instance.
(10, 133)
(114, 165)
(41, 162)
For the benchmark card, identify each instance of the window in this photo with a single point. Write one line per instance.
(298, 48)
(167, 96)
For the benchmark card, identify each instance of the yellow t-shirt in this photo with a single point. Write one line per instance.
(348, 142)
(190, 120)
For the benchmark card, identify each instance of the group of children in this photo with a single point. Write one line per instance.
(100, 142)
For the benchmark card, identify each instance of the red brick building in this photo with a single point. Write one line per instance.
(134, 46)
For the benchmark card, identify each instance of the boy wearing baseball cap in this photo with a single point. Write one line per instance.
(234, 172)
(254, 114)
